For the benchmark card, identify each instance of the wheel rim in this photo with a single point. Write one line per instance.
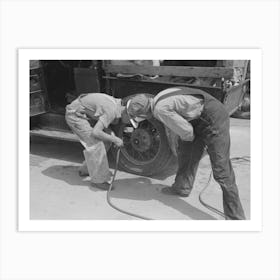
(142, 145)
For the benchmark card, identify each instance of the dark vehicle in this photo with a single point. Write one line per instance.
(151, 147)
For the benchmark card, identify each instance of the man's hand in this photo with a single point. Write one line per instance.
(98, 133)
(118, 142)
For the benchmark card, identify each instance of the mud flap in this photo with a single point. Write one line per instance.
(234, 96)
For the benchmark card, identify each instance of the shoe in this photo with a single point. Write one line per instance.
(102, 186)
(83, 170)
(83, 174)
(173, 191)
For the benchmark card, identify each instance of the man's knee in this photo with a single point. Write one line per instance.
(223, 176)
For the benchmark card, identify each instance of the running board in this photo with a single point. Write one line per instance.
(56, 134)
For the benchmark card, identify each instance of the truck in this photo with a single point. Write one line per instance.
(151, 148)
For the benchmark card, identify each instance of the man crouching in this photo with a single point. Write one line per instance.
(103, 109)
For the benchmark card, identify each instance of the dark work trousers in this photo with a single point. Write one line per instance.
(211, 131)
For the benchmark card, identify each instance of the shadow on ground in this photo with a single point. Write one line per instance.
(137, 189)
(67, 173)
(143, 189)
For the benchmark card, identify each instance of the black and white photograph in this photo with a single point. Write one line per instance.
(140, 139)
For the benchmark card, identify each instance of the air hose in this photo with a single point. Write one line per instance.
(209, 207)
(110, 188)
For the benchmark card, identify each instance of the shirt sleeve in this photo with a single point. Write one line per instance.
(107, 118)
(175, 122)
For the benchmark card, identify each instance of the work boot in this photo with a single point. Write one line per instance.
(83, 170)
(102, 186)
(83, 174)
(174, 191)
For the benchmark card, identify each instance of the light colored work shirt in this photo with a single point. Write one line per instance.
(175, 112)
(98, 106)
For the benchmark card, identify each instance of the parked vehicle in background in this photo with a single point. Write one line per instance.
(151, 147)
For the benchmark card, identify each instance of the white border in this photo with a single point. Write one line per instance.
(25, 224)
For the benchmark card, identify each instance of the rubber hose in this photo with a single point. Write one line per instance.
(110, 189)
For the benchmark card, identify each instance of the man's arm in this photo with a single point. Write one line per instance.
(176, 123)
(98, 133)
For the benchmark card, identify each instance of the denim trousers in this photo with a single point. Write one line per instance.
(211, 133)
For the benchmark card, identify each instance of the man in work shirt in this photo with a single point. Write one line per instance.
(103, 109)
(200, 121)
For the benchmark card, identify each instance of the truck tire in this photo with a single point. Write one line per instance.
(146, 149)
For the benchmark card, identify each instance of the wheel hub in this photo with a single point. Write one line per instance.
(141, 140)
